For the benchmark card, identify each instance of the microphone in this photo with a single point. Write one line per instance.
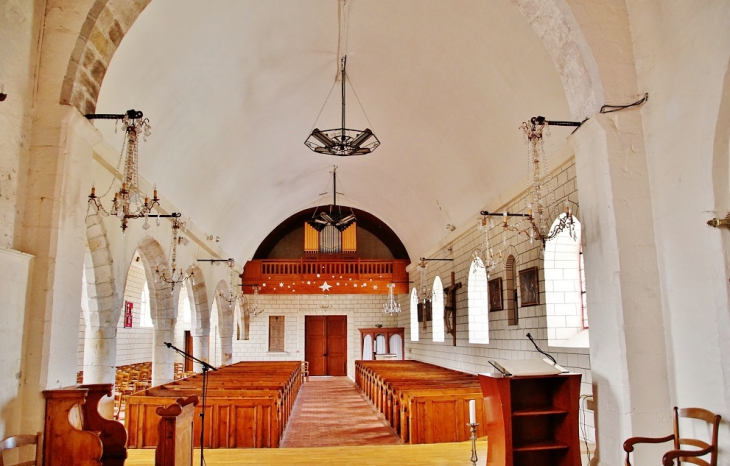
(555, 363)
(169, 345)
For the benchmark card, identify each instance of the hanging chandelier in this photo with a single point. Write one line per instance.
(170, 274)
(129, 202)
(391, 307)
(342, 141)
(332, 215)
(423, 295)
(233, 295)
(540, 203)
(485, 256)
(253, 309)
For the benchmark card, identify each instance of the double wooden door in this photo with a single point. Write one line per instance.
(325, 344)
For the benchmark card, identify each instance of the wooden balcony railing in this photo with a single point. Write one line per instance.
(307, 276)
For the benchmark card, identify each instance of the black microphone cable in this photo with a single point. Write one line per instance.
(541, 351)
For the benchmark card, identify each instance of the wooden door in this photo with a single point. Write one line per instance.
(188, 349)
(336, 345)
(325, 345)
(315, 344)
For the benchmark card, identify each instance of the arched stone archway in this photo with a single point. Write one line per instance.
(201, 315)
(163, 303)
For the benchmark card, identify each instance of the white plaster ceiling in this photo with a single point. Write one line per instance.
(233, 87)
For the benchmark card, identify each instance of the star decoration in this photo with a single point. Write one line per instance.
(338, 283)
(375, 287)
(354, 285)
(325, 286)
(309, 283)
(281, 284)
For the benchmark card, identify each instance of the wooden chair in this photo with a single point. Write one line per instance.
(685, 456)
(18, 441)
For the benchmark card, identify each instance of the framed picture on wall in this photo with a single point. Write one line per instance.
(529, 289)
(128, 306)
(495, 294)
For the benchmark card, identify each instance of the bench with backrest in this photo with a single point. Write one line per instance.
(247, 405)
(75, 432)
(423, 403)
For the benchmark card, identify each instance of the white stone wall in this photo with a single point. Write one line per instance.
(505, 341)
(18, 39)
(362, 311)
(134, 344)
(14, 272)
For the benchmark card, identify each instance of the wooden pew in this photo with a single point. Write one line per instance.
(75, 433)
(423, 403)
(112, 434)
(247, 406)
(175, 433)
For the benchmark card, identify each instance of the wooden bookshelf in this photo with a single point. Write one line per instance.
(532, 419)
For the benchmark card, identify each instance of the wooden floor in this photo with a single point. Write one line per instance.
(440, 454)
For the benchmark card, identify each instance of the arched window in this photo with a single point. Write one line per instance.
(414, 315)
(565, 289)
(477, 295)
(145, 312)
(438, 310)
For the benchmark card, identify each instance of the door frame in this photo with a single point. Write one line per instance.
(348, 342)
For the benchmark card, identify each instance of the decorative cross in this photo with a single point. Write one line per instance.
(450, 306)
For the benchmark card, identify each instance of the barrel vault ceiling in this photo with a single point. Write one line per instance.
(233, 87)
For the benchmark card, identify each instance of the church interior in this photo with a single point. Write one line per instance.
(503, 179)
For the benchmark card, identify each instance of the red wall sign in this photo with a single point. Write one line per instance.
(128, 314)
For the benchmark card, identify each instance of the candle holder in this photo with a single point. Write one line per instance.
(473, 427)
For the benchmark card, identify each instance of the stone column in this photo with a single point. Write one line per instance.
(100, 346)
(163, 358)
(200, 349)
(628, 349)
(54, 231)
(225, 331)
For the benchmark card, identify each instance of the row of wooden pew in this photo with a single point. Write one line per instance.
(248, 405)
(423, 403)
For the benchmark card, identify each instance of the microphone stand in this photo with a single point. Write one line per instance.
(555, 363)
(206, 367)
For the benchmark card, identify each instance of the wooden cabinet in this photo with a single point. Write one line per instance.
(387, 333)
(532, 419)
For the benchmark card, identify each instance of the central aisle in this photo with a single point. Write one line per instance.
(331, 411)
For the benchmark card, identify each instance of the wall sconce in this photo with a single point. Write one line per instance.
(720, 222)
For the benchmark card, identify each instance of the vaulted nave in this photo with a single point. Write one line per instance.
(458, 183)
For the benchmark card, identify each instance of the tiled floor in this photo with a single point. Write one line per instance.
(331, 411)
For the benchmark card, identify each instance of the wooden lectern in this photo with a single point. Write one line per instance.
(175, 433)
(532, 420)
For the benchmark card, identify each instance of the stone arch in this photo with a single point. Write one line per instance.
(108, 21)
(225, 322)
(104, 306)
(201, 314)
(163, 302)
(105, 26)
(556, 26)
